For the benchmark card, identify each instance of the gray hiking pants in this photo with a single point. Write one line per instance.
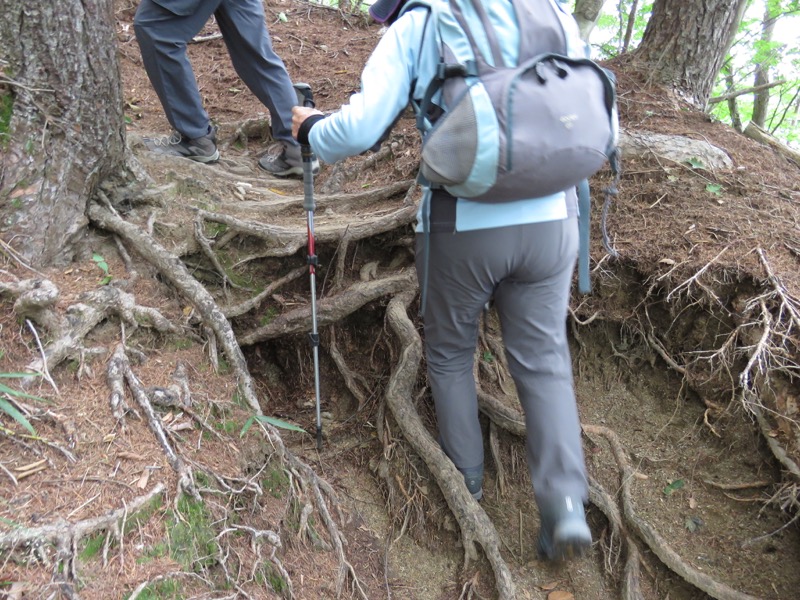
(528, 270)
(164, 27)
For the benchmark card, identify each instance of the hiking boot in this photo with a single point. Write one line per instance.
(564, 533)
(286, 162)
(473, 478)
(202, 149)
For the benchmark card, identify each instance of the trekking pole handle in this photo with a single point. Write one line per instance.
(306, 98)
(304, 95)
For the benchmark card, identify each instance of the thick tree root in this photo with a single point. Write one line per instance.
(65, 536)
(330, 309)
(513, 421)
(651, 537)
(185, 479)
(476, 528)
(176, 273)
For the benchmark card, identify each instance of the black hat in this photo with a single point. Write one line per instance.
(385, 11)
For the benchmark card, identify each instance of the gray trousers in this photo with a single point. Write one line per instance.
(528, 270)
(164, 27)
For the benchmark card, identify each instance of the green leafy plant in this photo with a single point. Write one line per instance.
(714, 188)
(8, 408)
(673, 486)
(103, 266)
(272, 421)
(696, 163)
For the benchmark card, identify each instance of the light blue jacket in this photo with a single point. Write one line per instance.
(401, 58)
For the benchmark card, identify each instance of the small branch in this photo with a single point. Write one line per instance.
(742, 91)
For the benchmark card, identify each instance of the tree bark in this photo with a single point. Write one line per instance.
(66, 132)
(586, 14)
(754, 132)
(761, 79)
(685, 43)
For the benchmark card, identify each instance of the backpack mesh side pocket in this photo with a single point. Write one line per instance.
(450, 149)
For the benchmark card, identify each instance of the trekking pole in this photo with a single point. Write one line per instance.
(305, 98)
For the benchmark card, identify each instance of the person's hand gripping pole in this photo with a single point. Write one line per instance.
(305, 98)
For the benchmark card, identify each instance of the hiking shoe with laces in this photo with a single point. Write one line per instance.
(202, 149)
(564, 534)
(288, 161)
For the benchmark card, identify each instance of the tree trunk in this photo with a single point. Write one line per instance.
(631, 22)
(761, 97)
(66, 133)
(586, 14)
(685, 43)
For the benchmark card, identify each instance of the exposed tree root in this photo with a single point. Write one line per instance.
(286, 241)
(476, 528)
(65, 536)
(631, 587)
(651, 537)
(175, 272)
(513, 421)
(330, 309)
(185, 479)
(35, 299)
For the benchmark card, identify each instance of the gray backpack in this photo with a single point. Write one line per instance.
(498, 132)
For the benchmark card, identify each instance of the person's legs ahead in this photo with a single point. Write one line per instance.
(532, 305)
(262, 70)
(162, 35)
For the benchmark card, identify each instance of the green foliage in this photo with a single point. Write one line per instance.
(92, 546)
(228, 426)
(8, 408)
(276, 482)
(674, 486)
(6, 110)
(268, 575)
(272, 421)
(191, 537)
(103, 266)
(157, 550)
(696, 163)
(182, 343)
(780, 55)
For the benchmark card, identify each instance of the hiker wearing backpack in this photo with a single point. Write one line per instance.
(515, 249)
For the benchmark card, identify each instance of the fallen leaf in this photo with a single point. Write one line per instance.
(560, 595)
(142, 483)
(667, 261)
(129, 455)
(692, 503)
(549, 586)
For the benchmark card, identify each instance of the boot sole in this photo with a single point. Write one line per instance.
(298, 171)
(205, 159)
(570, 541)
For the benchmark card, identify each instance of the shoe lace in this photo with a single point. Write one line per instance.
(168, 140)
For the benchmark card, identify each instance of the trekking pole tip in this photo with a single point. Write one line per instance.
(319, 437)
